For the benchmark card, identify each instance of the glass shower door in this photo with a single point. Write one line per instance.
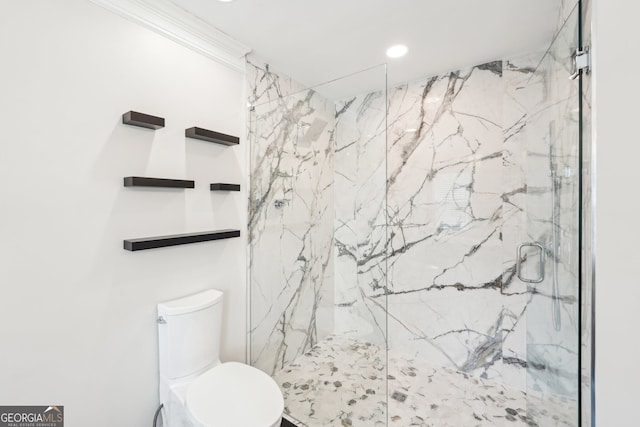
(548, 257)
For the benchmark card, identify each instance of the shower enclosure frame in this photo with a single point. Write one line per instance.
(587, 226)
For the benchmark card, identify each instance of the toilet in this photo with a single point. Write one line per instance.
(196, 389)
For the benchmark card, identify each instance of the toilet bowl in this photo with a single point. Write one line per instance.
(196, 389)
(235, 395)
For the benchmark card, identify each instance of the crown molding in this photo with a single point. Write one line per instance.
(172, 21)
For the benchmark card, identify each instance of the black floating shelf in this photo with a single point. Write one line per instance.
(142, 120)
(140, 181)
(224, 187)
(178, 239)
(211, 136)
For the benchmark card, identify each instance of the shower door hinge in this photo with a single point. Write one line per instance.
(581, 61)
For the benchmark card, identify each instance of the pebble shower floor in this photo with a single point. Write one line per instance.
(341, 382)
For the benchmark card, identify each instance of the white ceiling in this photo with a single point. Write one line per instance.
(316, 41)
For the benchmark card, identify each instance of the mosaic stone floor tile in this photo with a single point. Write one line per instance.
(343, 382)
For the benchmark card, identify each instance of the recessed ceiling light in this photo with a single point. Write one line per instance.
(397, 51)
(225, 1)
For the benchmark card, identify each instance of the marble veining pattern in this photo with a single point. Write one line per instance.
(444, 214)
(393, 219)
(467, 179)
(290, 217)
(445, 206)
(341, 382)
(360, 218)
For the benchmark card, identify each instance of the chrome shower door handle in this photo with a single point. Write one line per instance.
(519, 262)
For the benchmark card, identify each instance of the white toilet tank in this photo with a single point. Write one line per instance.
(189, 333)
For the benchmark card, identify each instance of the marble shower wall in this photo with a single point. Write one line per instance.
(467, 180)
(291, 217)
(419, 197)
(447, 192)
(444, 214)
(360, 218)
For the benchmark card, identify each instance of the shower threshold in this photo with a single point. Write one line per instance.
(344, 382)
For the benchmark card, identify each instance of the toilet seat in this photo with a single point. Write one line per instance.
(235, 395)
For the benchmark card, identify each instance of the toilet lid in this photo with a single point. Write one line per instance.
(235, 395)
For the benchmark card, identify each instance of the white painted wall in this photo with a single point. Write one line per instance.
(77, 312)
(617, 96)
